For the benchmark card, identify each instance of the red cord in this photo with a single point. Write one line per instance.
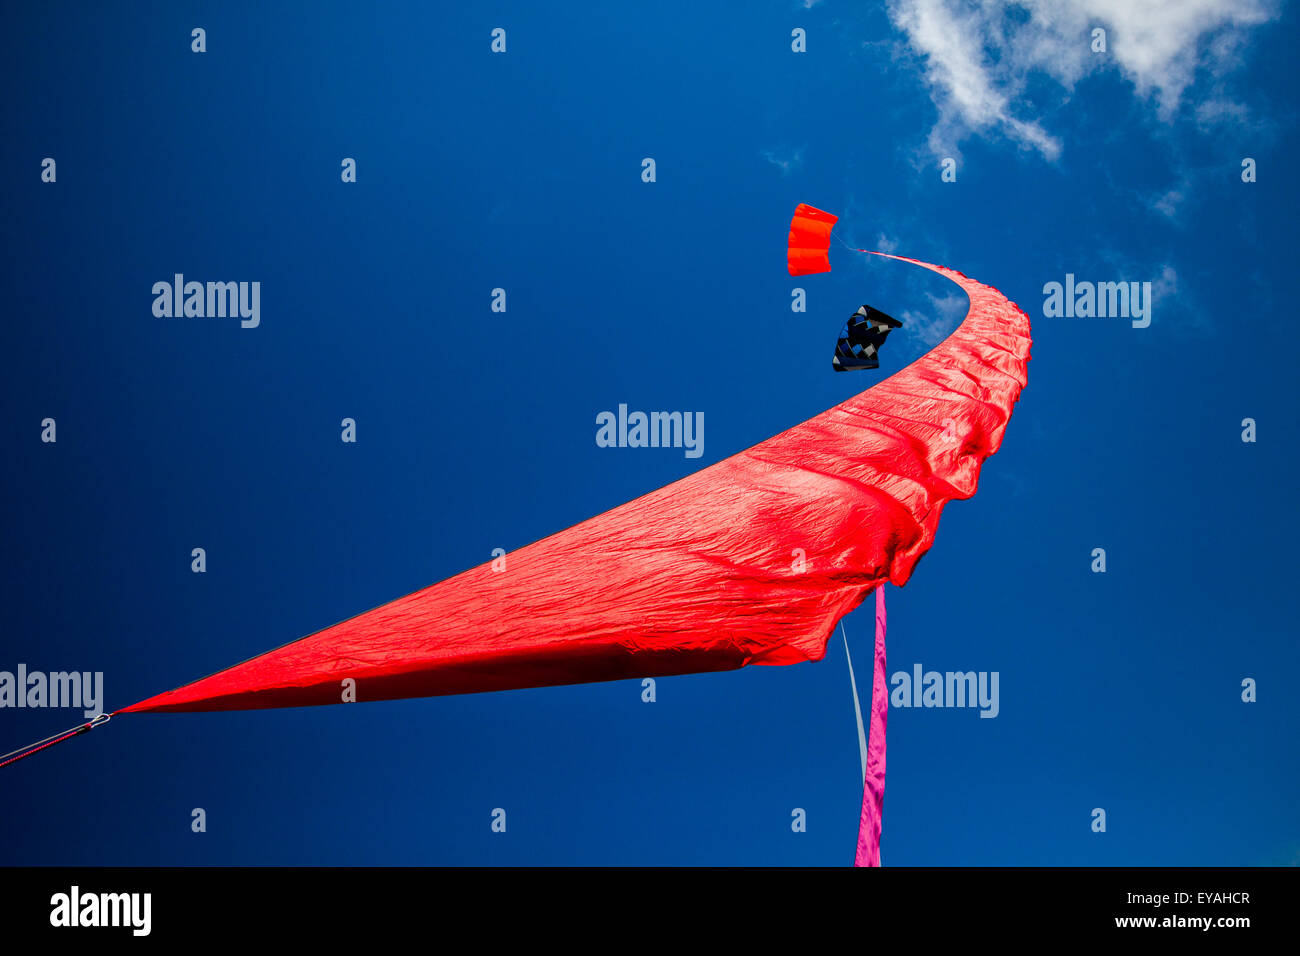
(50, 743)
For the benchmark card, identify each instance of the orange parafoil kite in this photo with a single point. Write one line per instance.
(810, 240)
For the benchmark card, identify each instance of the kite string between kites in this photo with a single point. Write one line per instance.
(841, 241)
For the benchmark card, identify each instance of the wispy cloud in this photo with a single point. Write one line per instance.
(784, 160)
(1220, 110)
(1165, 285)
(1173, 303)
(978, 58)
(1168, 203)
(934, 324)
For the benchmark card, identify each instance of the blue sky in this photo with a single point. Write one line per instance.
(477, 430)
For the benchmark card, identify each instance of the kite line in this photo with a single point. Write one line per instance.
(16, 755)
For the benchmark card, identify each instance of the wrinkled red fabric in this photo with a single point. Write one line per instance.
(749, 561)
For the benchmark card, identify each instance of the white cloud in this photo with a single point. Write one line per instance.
(978, 57)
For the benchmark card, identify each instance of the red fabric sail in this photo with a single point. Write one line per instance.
(749, 561)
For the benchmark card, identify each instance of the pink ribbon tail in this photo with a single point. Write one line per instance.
(873, 790)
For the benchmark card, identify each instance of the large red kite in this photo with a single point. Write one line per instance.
(748, 561)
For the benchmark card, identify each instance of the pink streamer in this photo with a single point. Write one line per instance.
(873, 790)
